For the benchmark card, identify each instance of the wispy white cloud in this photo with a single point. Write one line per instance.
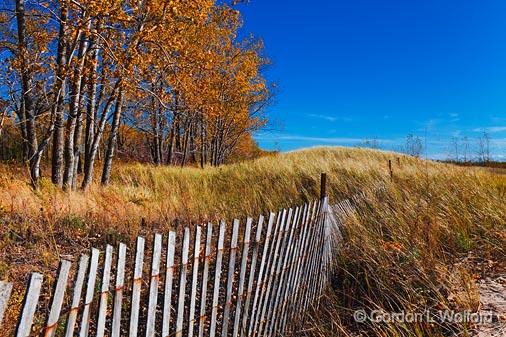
(491, 129)
(329, 118)
(315, 140)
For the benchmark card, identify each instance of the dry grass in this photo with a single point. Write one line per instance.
(402, 250)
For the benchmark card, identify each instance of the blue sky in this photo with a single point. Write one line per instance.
(357, 69)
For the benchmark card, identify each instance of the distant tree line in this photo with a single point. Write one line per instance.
(460, 149)
(80, 78)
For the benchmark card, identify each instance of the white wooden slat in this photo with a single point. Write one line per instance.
(169, 276)
(195, 274)
(76, 297)
(90, 291)
(104, 291)
(230, 278)
(275, 316)
(271, 274)
(136, 287)
(242, 276)
(58, 296)
(205, 272)
(273, 285)
(251, 278)
(293, 285)
(5, 294)
(182, 282)
(217, 277)
(153, 286)
(267, 248)
(29, 305)
(118, 291)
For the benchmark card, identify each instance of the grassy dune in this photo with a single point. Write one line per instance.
(418, 244)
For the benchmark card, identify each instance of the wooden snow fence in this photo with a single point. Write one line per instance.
(255, 278)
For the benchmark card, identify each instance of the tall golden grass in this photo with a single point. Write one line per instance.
(404, 248)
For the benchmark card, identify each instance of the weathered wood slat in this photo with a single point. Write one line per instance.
(251, 277)
(58, 296)
(217, 278)
(169, 276)
(90, 291)
(293, 286)
(242, 276)
(29, 305)
(267, 320)
(205, 272)
(136, 287)
(153, 285)
(76, 297)
(230, 278)
(118, 291)
(260, 279)
(195, 274)
(104, 291)
(182, 282)
(5, 294)
(275, 316)
(271, 272)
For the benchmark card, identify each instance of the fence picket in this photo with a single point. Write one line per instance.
(264, 263)
(251, 278)
(169, 276)
(136, 287)
(195, 274)
(104, 292)
(272, 269)
(242, 276)
(118, 291)
(29, 305)
(217, 277)
(276, 277)
(76, 297)
(5, 294)
(203, 294)
(182, 282)
(90, 291)
(230, 277)
(58, 296)
(153, 286)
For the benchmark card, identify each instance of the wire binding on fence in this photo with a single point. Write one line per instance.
(256, 281)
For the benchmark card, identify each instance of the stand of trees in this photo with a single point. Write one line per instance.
(75, 73)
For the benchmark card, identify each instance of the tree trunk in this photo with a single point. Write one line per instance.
(58, 136)
(106, 173)
(26, 96)
(89, 164)
(74, 115)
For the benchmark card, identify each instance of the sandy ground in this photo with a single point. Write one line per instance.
(493, 300)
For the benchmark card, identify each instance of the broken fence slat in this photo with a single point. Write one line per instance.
(76, 297)
(29, 305)
(58, 296)
(90, 291)
(5, 294)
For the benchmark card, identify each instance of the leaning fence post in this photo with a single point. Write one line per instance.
(323, 185)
